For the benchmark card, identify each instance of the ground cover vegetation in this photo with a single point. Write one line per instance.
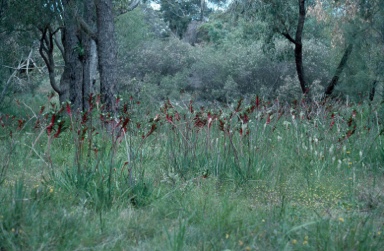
(242, 125)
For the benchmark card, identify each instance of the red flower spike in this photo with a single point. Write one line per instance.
(125, 123)
(257, 102)
(68, 108)
(268, 120)
(42, 108)
(20, 124)
(169, 118)
(190, 107)
(153, 128)
(239, 105)
(59, 129)
(125, 108)
(51, 124)
(177, 116)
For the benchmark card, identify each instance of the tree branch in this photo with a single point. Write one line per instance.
(86, 28)
(340, 67)
(287, 36)
(46, 52)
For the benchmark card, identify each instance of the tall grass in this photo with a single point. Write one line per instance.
(262, 175)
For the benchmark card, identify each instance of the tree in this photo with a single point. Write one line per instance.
(107, 52)
(286, 18)
(82, 26)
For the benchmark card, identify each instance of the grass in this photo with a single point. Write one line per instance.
(257, 176)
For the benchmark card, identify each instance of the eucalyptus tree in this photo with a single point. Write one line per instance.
(284, 18)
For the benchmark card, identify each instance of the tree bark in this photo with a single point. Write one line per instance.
(90, 61)
(107, 52)
(72, 76)
(331, 86)
(372, 91)
(299, 47)
(297, 41)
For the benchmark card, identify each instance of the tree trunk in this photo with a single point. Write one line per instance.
(373, 90)
(90, 61)
(299, 47)
(340, 67)
(107, 52)
(202, 9)
(297, 41)
(72, 76)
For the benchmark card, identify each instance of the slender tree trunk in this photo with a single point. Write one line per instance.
(297, 41)
(373, 90)
(90, 61)
(331, 86)
(202, 9)
(299, 47)
(107, 52)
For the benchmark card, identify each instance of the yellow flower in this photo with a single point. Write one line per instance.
(248, 248)
(294, 241)
(226, 236)
(241, 243)
(305, 242)
(379, 233)
(51, 190)
(348, 152)
(341, 219)
(306, 238)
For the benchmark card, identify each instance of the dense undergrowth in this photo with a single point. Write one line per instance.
(255, 175)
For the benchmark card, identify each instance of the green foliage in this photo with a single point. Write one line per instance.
(132, 30)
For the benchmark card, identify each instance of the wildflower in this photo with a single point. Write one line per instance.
(51, 190)
(241, 243)
(379, 233)
(226, 236)
(348, 152)
(341, 219)
(294, 241)
(247, 248)
(268, 120)
(305, 242)
(68, 108)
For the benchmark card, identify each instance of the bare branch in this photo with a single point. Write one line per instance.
(287, 36)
